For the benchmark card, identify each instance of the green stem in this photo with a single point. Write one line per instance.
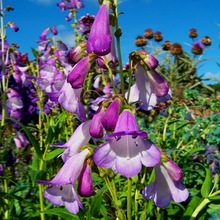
(119, 48)
(129, 199)
(199, 208)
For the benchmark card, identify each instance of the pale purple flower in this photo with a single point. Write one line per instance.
(78, 74)
(167, 185)
(61, 187)
(20, 140)
(126, 149)
(69, 99)
(100, 38)
(43, 35)
(85, 184)
(14, 104)
(149, 88)
(78, 139)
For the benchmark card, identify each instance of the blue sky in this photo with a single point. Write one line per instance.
(174, 18)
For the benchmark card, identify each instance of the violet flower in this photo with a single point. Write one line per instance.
(61, 187)
(100, 38)
(13, 26)
(20, 140)
(54, 30)
(111, 115)
(85, 185)
(167, 185)
(78, 139)
(126, 149)
(149, 88)
(79, 72)
(96, 129)
(69, 99)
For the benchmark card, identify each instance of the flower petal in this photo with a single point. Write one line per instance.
(104, 156)
(128, 167)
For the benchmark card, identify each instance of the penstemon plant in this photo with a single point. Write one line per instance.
(96, 139)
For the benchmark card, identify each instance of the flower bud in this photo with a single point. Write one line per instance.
(148, 33)
(96, 128)
(193, 33)
(197, 48)
(176, 49)
(140, 41)
(85, 186)
(158, 36)
(206, 41)
(111, 115)
(167, 45)
(78, 73)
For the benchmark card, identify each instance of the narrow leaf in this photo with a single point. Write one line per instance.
(54, 153)
(207, 184)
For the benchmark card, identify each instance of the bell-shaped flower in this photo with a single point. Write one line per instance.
(96, 129)
(167, 185)
(126, 149)
(149, 88)
(61, 187)
(99, 41)
(78, 139)
(85, 184)
(111, 115)
(69, 99)
(78, 74)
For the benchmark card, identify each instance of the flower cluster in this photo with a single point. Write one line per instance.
(109, 120)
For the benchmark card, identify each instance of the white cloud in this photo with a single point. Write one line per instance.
(44, 2)
(67, 37)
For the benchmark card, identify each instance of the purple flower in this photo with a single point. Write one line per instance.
(100, 38)
(167, 185)
(79, 138)
(85, 185)
(126, 149)
(20, 140)
(13, 26)
(85, 23)
(69, 99)
(61, 187)
(96, 129)
(111, 115)
(54, 30)
(79, 72)
(149, 88)
(77, 53)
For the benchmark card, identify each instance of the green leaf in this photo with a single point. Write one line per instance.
(96, 203)
(62, 212)
(54, 153)
(206, 186)
(30, 137)
(192, 206)
(214, 197)
(214, 206)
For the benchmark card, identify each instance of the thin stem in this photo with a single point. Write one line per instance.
(199, 208)
(129, 199)
(119, 47)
